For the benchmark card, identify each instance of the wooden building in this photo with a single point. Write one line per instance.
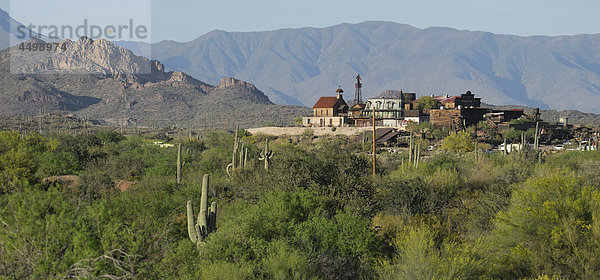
(328, 111)
(466, 100)
(457, 118)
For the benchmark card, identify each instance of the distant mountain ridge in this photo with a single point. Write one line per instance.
(113, 93)
(9, 33)
(300, 65)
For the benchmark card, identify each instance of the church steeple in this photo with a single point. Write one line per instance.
(340, 92)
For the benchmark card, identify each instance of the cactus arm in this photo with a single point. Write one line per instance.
(245, 156)
(228, 168)
(236, 144)
(204, 198)
(203, 224)
(241, 160)
(212, 220)
(192, 231)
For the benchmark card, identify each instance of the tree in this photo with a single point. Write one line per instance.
(488, 129)
(512, 135)
(427, 102)
(459, 142)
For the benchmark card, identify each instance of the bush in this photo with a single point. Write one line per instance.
(550, 228)
(419, 258)
(459, 142)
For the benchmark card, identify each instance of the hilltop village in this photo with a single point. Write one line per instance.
(393, 112)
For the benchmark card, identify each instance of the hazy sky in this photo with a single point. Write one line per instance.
(184, 20)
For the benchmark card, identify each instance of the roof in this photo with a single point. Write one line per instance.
(451, 99)
(358, 106)
(388, 137)
(380, 133)
(326, 102)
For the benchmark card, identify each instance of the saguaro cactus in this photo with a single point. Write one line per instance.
(245, 156)
(236, 145)
(266, 155)
(241, 158)
(207, 218)
(417, 155)
(411, 148)
(179, 163)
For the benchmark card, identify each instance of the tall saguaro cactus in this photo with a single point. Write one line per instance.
(411, 148)
(245, 156)
(536, 142)
(241, 157)
(266, 155)
(207, 218)
(417, 154)
(236, 146)
(179, 163)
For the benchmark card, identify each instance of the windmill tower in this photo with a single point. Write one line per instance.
(358, 94)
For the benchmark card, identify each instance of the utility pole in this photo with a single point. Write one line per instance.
(374, 148)
(537, 142)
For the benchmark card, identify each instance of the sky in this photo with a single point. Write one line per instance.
(185, 20)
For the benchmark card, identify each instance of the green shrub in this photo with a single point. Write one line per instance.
(550, 228)
(419, 258)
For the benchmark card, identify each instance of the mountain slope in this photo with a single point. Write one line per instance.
(9, 33)
(300, 65)
(112, 92)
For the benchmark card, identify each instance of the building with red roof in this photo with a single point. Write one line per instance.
(328, 111)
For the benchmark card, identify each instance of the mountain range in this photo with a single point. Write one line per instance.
(97, 80)
(297, 66)
(9, 32)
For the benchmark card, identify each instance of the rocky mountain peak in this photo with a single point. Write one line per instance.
(84, 56)
(232, 82)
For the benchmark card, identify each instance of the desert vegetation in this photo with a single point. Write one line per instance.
(104, 205)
